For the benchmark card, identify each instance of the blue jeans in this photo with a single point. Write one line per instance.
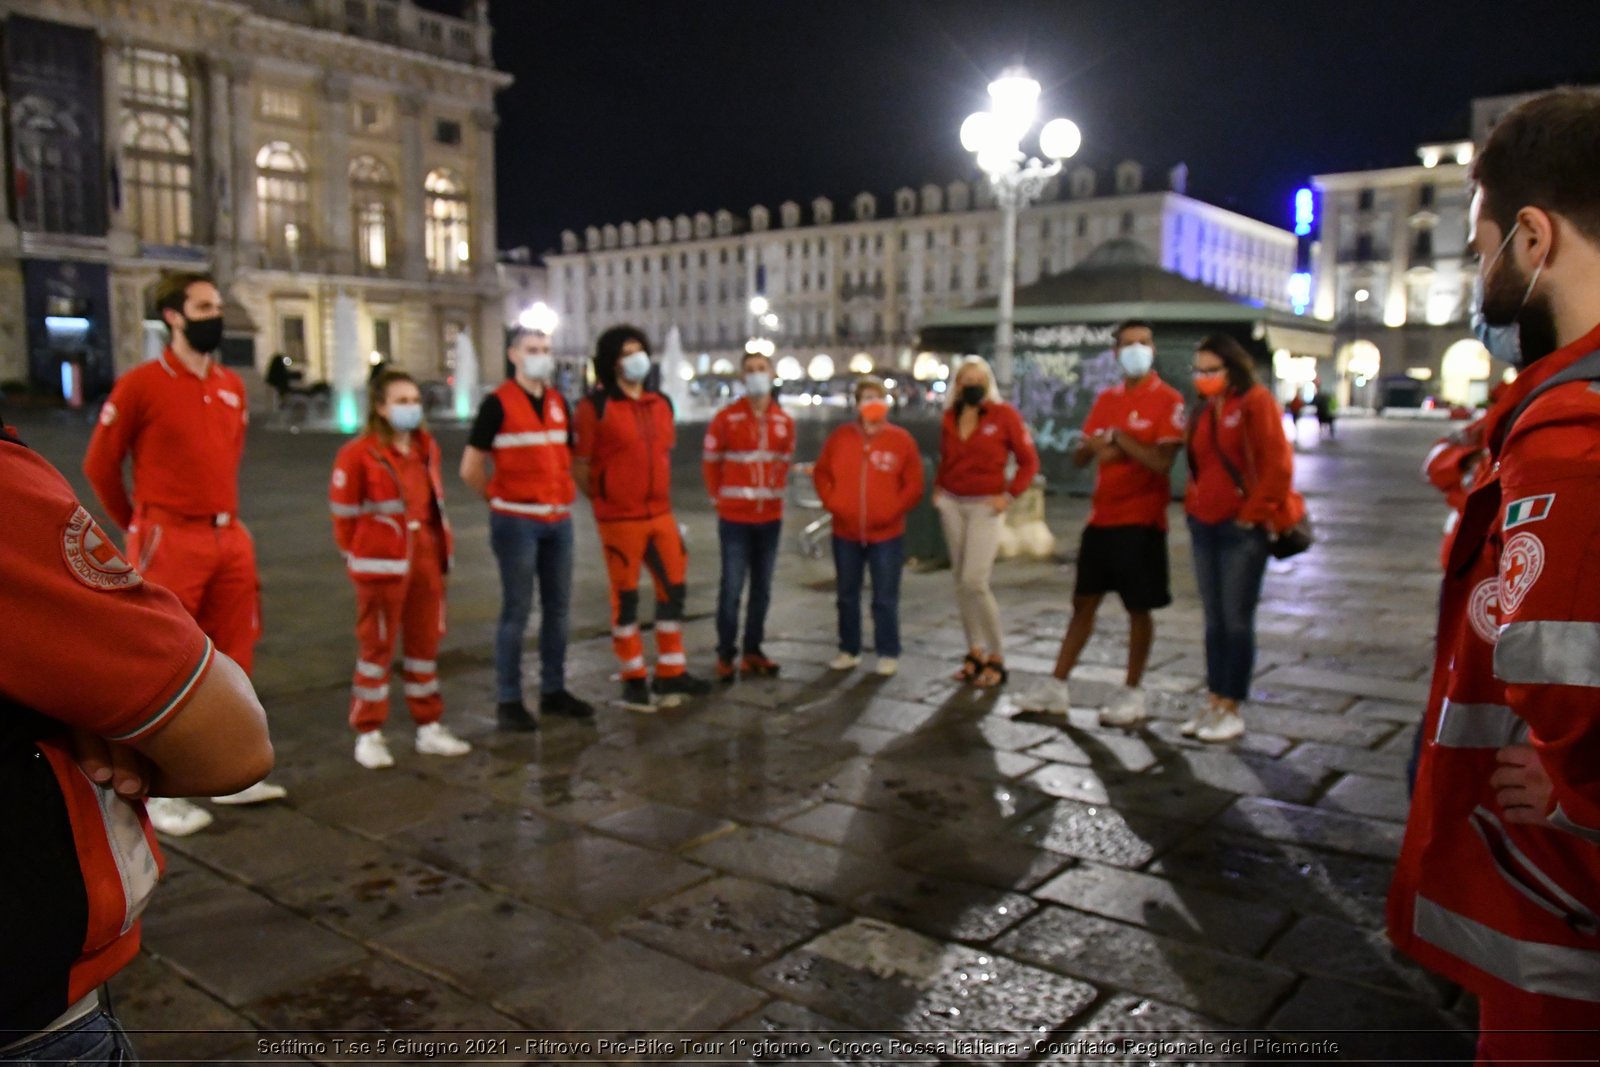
(1229, 563)
(95, 1039)
(527, 549)
(851, 561)
(748, 549)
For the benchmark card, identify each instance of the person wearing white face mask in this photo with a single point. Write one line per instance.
(1133, 433)
(523, 434)
(387, 501)
(746, 456)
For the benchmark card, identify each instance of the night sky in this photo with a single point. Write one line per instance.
(624, 109)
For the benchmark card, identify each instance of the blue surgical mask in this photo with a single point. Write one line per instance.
(1136, 359)
(539, 366)
(1504, 340)
(634, 367)
(404, 417)
(758, 383)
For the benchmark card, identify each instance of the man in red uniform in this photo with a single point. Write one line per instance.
(624, 466)
(1132, 434)
(183, 419)
(108, 692)
(1498, 882)
(748, 447)
(523, 432)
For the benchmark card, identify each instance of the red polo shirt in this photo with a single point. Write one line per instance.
(186, 433)
(1126, 492)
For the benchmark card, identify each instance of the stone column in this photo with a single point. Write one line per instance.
(242, 177)
(10, 234)
(413, 227)
(215, 194)
(121, 241)
(337, 238)
(484, 252)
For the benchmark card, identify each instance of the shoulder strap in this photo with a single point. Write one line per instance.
(1586, 369)
(1227, 464)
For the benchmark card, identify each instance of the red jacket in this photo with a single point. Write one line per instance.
(1506, 908)
(186, 434)
(369, 508)
(1454, 466)
(977, 466)
(746, 461)
(629, 449)
(532, 462)
(869, 483)
(1249, 428)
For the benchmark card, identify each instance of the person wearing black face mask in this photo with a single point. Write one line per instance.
(182, 418)
(980, 435)
(1498, 882)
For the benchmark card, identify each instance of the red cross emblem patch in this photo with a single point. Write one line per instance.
(92, 557)
(1521, 563)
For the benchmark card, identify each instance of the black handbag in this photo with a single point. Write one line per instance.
(1282, 544)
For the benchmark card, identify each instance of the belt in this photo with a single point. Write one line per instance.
(161, 514)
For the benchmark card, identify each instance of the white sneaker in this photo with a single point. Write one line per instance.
(1050, 696)
(844, 661)
(372, 751)
(1127, 709)
(1224, 726)
(176, 817)
(435, 739)
(1202, 717)
(888, 667)
(254, 794)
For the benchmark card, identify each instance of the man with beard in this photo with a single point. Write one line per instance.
(1498, 882)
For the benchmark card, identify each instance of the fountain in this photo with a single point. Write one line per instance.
(349, 369)
(466, 376)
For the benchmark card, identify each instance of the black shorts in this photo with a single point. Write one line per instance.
(1130, 561)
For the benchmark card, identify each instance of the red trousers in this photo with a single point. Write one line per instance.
(630, 544)
(1518, 1027)
(212, 571)
(413, 607)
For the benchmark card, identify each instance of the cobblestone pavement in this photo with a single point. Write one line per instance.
(827, 854)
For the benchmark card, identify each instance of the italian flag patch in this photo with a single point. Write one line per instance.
(1528, 509)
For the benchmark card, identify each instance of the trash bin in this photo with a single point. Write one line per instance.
(924, 536)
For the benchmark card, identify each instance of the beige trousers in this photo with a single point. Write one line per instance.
(972, 534)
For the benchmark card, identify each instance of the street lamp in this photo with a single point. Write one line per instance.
(995, 138)
(539, 316)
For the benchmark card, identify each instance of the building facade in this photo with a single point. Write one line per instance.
(301, 150)
(863, 277)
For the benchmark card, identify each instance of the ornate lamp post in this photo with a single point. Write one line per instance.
(995, 137)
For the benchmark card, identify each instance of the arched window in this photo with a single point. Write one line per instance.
(283, 198)
(449, 247)
(372, 205)
(157, 153)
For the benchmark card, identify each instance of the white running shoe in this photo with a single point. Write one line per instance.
(372, 751)
(435, 739)
(1202, 717)
(887, 667)
(844, 661)
(1224, 726)
(255, 794)
(1126, 710)
(1051, 696)
(176, 817)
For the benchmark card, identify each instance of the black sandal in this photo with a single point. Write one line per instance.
(995, 668)
(971, 667)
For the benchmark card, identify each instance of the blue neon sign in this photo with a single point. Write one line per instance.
(1305, 212)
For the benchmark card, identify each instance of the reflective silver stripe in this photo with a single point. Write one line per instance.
(1532, 966)
(377, 566)
(530, 440)
(422, 689)
(754, 457)
(1545, 652)
(528, 509)
(711, 457)
(669, 626)
(1476, 725)
(130, 852)
(419, 666)
(371, 670)
(386, 507)
(1562, 821)
(634, 664)
(1524, 875)
(620, 632)
(751, 492)
(673, 659)
(344, 511)
(364, 692)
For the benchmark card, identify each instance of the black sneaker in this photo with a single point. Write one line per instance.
(680, 687)
(636, 695)
(564, 704)
(511, 715)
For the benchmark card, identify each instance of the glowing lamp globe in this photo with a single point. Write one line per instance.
(1060, 139)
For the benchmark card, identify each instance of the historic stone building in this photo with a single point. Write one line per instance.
(302, 150)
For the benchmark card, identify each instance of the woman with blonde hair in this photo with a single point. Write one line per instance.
(980, 438)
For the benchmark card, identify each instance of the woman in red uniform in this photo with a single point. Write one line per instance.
(387, 501)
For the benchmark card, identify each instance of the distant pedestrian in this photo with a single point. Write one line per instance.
(1133, 433)
(869, 477)
(387, 500)
(1327, 413)
(1241, 473)
(980, 435)
(748, 449)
